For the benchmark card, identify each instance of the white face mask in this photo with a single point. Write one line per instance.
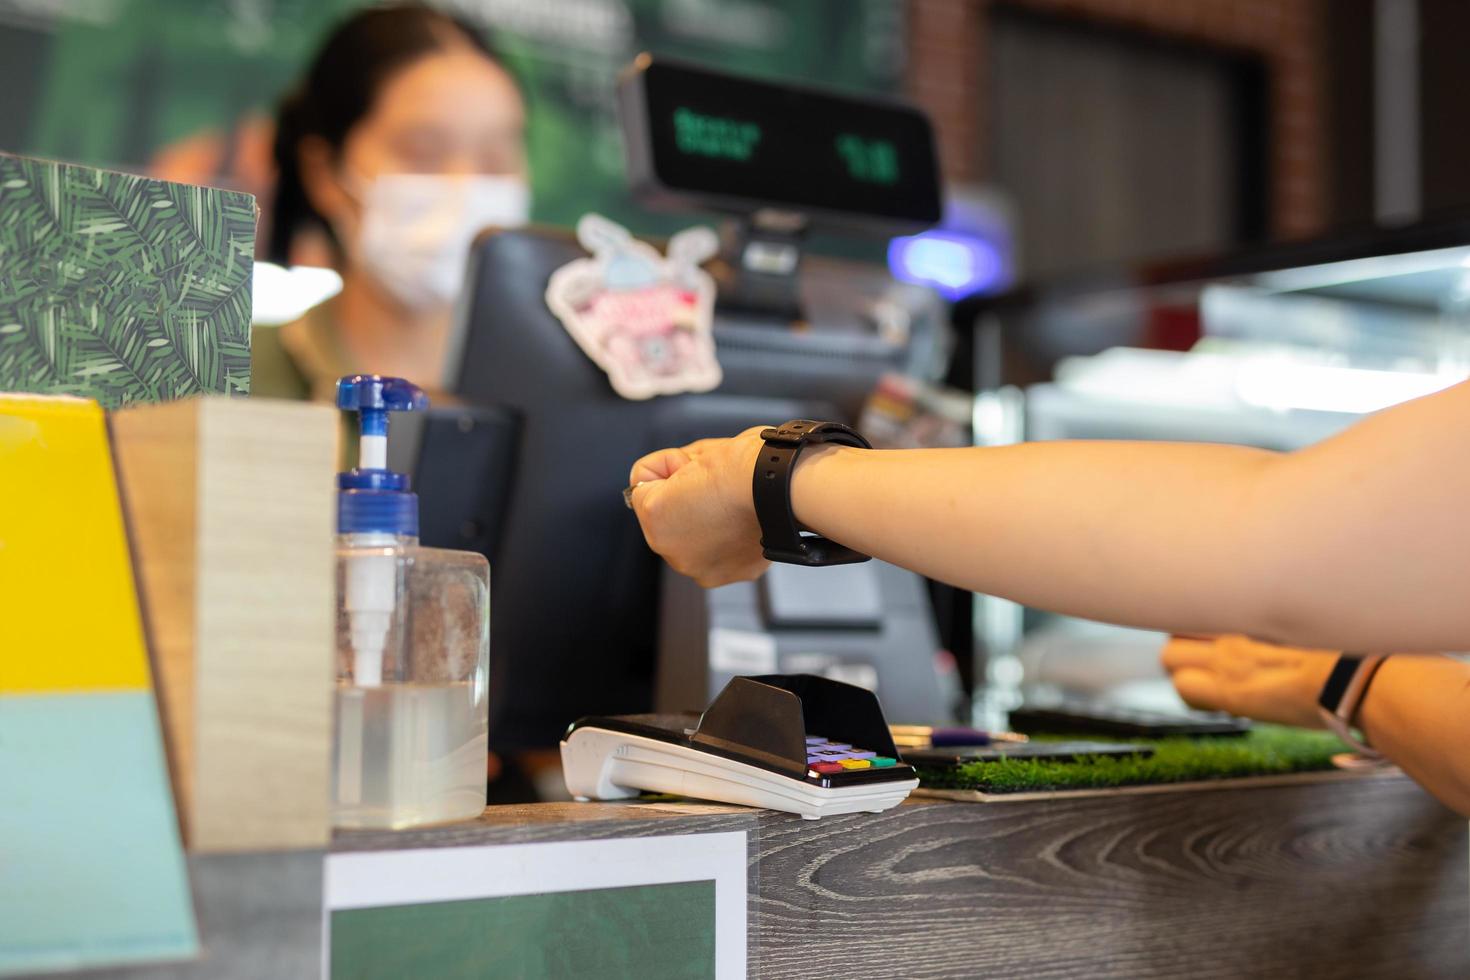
(417, 229)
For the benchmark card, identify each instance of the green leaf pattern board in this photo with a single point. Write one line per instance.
(122, 288)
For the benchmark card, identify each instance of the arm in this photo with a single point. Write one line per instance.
(1417, 711)
(1360, 542)
(1418, 714)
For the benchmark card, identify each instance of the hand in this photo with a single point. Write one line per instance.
(696, 508)
(1251, 679)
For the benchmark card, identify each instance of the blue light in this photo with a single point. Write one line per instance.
(955, 265)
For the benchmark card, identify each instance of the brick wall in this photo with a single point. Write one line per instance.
(947, 76)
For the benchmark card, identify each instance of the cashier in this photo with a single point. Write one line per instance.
(405, 138)
(1361, 543)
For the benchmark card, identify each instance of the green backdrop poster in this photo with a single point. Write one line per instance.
(184, 89)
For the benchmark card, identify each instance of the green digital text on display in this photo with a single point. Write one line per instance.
(872, 161)
(714, 136)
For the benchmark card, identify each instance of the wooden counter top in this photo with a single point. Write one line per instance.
(1360, 877)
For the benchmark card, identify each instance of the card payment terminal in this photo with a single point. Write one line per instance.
(797, 743)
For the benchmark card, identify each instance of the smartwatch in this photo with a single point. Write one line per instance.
(781, 539)
(1343, 693)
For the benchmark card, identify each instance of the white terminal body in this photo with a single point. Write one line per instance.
(606, 765)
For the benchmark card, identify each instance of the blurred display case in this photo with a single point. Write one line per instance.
(1275, 349)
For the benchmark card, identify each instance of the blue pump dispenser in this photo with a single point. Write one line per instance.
(373, 499)
(413, 637)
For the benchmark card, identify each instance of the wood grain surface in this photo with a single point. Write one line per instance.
(154, 452)
(1335, 880)
(230, 511)
(1366, 878)
(1359, 878)
(540, 822)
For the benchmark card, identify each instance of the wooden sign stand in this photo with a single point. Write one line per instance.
(230, 505)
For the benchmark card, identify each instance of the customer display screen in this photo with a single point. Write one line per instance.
(731, 142)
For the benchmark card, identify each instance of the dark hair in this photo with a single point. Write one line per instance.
(339, 88)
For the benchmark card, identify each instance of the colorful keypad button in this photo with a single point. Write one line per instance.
(826, 757)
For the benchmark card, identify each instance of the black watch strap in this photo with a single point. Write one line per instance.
(1342, 675)
(1342, 695)
(781, 539)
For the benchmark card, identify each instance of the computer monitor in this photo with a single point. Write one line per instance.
(574, 591)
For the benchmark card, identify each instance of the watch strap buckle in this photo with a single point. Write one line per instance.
(783, 436)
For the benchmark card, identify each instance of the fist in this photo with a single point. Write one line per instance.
(695, 506)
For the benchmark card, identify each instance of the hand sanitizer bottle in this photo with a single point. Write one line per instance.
(412, 642)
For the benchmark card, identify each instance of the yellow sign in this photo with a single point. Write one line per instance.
(71, 620)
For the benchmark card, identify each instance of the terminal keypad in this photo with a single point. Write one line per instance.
(824, 756)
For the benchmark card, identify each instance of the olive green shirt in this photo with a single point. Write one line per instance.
(300, 360)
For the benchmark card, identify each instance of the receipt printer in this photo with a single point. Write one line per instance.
(869, 624)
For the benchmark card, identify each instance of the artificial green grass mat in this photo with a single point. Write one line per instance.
(1266, 750)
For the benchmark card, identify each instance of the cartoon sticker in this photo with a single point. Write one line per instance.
(642, 317)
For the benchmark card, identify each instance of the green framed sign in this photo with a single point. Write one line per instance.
(646, 908)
